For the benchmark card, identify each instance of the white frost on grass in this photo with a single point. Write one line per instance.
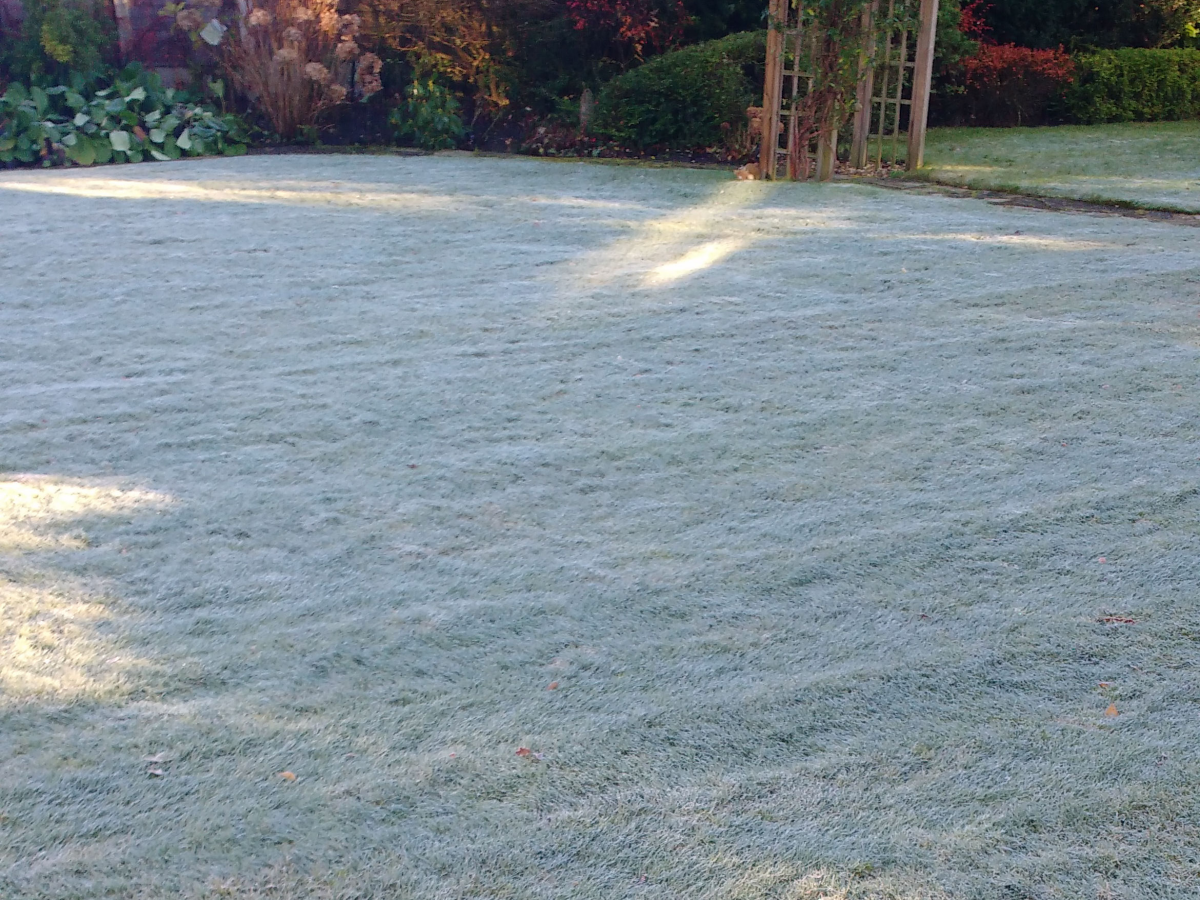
(1151, 165)
(798, 495)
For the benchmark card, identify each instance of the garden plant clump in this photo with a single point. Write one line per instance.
(132, 120)
(659, 536)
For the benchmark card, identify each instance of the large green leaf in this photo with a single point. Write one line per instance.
(119, 140)
(40, 101)
(138, 93)
(184, 140)
(81, 119)
(104, 150)
(83, 153)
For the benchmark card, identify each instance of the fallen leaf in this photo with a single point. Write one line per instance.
(1102, 559)
(552, 686)
(1118, 620)
(524, 751)
(1112, 710)
(155, 773)
(1106, 684)
(161, 757)
(288, 776)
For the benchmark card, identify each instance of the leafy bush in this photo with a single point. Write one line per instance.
(1008, 85)
(429, 117)
(690, 98)
(133, 120)
(1095, 23)
(57, 37)
(1136, 86)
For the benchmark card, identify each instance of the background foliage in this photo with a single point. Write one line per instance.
(132, 120)
(1082, 24)
(666, 73)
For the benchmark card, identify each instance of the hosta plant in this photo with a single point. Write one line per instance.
(132, 120)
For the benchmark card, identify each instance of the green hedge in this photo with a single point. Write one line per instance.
(681, 99)
(1135, 86)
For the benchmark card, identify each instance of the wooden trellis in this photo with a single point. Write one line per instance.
(895, 73)
(786, 83)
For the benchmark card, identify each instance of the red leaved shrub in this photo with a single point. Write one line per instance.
(1008, 85)
(634, 28)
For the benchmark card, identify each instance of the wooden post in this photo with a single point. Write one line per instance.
(860, 145)
(768, 157)
(922, 81)
(826, 155)
(123, 13)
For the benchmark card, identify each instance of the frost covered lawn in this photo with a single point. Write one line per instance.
(779, 523)
(1150, 165)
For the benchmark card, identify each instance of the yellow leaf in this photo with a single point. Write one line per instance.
(1112, 710)
(288, 776)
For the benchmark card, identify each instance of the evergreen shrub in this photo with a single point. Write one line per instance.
(686, 99)
(1135, 85)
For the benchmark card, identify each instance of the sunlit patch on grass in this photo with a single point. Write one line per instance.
(703, 257)
(34, 510)
(51, 644)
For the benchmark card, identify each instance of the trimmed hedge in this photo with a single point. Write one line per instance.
(680, 100)
(1135, 86)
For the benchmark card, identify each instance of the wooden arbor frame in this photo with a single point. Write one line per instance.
(890, 78)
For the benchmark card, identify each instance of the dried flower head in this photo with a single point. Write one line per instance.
(303, 14)
(331, 22)
(368, 84)
(259, 18)
(314, 71)
(189, 20)
(337, 93)
(287, 55)
(350, 25)
(293, 35)
(367, 76)
(346, 51)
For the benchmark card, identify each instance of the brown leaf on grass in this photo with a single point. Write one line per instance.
(552, 686)
(1117, 620)
(1112, 710)
(288, 776)
(529, 754)
(524, 751)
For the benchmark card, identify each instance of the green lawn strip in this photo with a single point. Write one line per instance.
(1151, 166)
